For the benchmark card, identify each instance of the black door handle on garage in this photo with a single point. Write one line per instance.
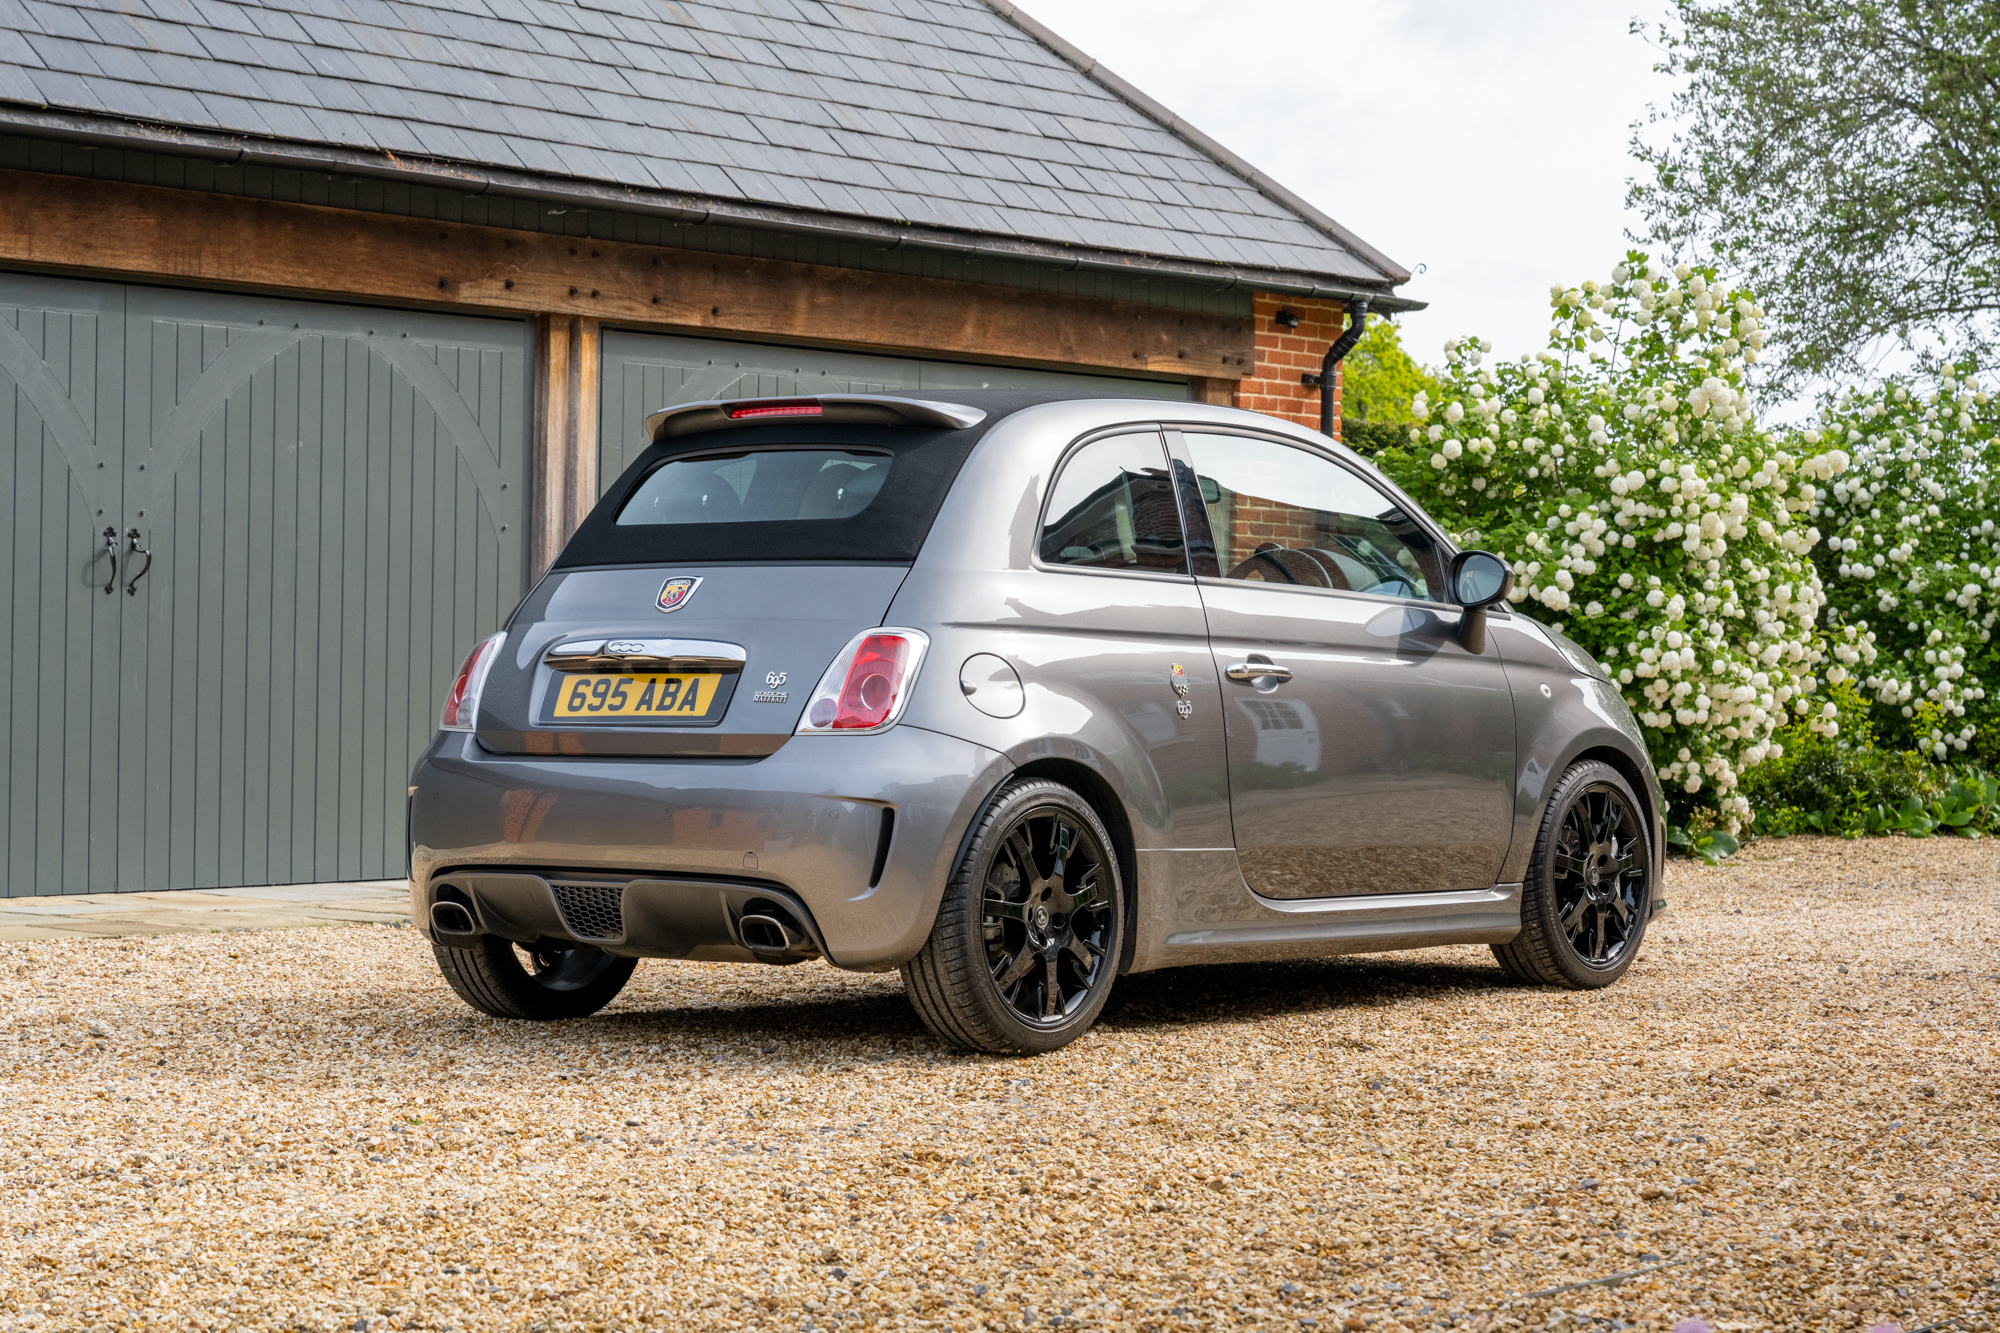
(110, 549)
(132, 588)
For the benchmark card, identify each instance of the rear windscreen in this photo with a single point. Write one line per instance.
(758, 486)
(787, 491)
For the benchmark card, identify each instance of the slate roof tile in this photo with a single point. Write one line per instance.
(57, 20)
(924, 110)
(17, 84)
(62, 54)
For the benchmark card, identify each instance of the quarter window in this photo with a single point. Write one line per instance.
(1283, 515)
(1113, 508)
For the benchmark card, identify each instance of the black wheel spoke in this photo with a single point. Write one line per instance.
(1024, 855)
(1013, 969)
(1006, 911)
(1081, 951)
(1060, 845)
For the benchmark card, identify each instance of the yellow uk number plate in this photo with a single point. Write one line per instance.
(662, 698)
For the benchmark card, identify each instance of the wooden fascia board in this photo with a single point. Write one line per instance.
(112, 228)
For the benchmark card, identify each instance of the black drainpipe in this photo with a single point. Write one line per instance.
(1342, 345)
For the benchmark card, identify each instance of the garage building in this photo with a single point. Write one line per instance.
(322, 321)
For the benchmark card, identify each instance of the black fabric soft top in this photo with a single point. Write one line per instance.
(891, 529)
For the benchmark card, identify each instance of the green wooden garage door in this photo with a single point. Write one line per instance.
(643, 372)
(335, 504)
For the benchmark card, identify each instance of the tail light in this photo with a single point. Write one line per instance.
(461, 706)
(867, 685)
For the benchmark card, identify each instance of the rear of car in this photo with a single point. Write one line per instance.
(683, 743)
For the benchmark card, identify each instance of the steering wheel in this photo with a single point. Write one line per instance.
(1292, 566)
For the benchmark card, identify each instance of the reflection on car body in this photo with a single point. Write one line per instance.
(1044, 691)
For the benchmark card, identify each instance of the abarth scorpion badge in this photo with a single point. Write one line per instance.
(674, 593)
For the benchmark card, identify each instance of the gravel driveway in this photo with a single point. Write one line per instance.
(1783, 1118)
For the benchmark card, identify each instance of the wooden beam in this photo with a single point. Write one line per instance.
(1218, 392)
(109, 227)
(565, 458)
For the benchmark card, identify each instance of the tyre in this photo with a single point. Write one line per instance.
(1027, 940)
(545, 981)
(1589, 888)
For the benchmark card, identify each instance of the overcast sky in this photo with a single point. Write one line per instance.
(1485, 141)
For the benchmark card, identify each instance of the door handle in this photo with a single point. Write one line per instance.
(132, 588)
(1258, 671)
(110, 549)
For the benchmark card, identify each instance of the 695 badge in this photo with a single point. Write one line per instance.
(674, 593)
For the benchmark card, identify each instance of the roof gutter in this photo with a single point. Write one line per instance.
(673, 206)
(1392, 272)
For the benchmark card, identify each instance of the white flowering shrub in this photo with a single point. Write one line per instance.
(1646, 513)
(1912, 558)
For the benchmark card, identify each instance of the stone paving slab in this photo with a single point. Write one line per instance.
(260, 907)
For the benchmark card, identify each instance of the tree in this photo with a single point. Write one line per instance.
(1839, 156)
(1379, 380)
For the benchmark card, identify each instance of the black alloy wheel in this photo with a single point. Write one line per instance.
(1589, 890)
(1047, 918)
(546, 980)
(1029, 936)
(1600, 875)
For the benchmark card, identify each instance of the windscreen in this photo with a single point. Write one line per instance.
(758, 486)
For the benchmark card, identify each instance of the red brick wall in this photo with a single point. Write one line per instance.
(1284, 354)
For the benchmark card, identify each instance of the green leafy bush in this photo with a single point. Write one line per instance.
(1623, 473)
(1912, 560)
(1821, 783)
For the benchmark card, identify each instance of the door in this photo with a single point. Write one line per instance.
(316, 510)
(1368, 751)
(643, 372)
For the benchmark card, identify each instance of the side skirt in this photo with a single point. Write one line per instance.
(1322, 927)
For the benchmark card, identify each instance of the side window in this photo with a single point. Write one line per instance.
(1113, 508)
(1283, 515)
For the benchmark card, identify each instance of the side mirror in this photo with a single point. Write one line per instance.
(1478, 579)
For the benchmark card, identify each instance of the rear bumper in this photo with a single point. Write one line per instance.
(858, 833)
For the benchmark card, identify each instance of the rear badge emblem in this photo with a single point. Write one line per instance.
(772, 695)
(674, 593)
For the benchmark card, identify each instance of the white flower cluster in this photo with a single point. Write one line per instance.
(1625, 476)
(1913, 559)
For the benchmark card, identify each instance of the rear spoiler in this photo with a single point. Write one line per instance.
(872, 409)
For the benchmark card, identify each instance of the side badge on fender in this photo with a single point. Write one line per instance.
(1179, 681)
(674, 593)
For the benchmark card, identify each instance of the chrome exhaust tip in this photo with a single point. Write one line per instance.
(770, 934)
(450, 918)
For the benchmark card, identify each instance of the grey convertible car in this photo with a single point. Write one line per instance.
(1019, 695)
